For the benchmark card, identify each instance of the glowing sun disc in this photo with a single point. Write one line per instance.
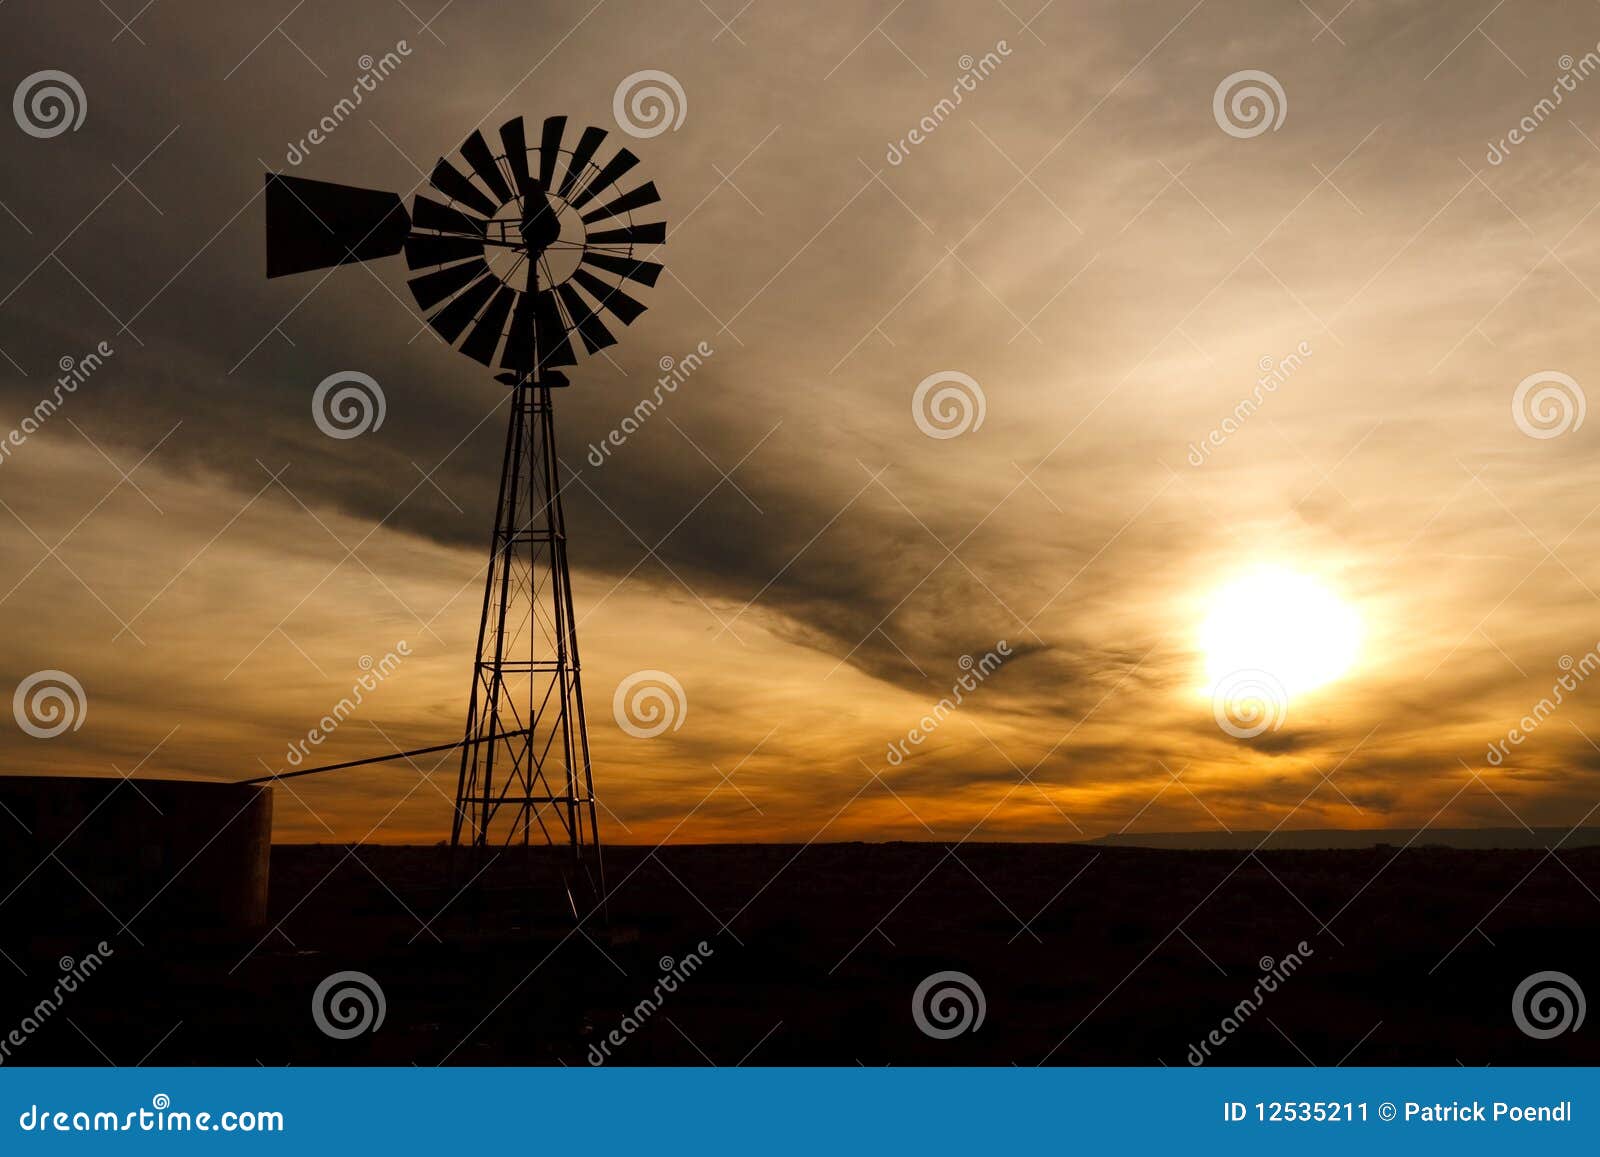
(1283, 623)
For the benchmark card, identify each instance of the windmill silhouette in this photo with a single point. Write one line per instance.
(531, 248)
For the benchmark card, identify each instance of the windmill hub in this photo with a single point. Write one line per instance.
(537, 236)
(541, 223)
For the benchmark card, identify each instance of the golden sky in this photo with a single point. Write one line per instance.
(1080, 235)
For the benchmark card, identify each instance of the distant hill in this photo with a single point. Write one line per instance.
(1310, 838)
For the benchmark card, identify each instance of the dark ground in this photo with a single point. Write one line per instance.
(816, 952)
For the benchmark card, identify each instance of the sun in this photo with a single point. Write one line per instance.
(1280, 622)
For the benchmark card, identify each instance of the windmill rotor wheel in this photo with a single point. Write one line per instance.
(532, 245)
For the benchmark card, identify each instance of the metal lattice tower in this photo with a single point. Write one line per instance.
(525, 759)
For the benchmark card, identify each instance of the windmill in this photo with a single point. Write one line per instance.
(529, 248)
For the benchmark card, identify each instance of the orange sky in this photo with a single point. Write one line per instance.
(1080, 236)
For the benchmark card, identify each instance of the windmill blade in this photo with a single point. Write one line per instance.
(427, 213)
(456, 316)
(550, 149)
(557, 350)
(449, 181)
(485, 336)
(481, 158)
(653, 233)
(424, 249)
(319, 224)
(644, 272)
(590, 328)
(579, 161)
(609, 296)
(515, 140)
(614, 169)
(644, 195)
(432, 288)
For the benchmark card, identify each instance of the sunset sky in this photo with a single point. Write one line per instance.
(1080, 236)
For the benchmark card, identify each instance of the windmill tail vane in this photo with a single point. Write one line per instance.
(517, 257)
